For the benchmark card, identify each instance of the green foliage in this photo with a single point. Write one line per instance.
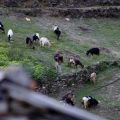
(103, 66)
(15, 62)
(49, 74)
(4, 61)
(38, 72)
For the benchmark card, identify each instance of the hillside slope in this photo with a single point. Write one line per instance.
(106, 91)
(103, 33)
(78, 35)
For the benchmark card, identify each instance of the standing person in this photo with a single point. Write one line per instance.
(58, 60)
(58, 67)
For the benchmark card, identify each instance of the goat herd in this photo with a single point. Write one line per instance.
(87, 101)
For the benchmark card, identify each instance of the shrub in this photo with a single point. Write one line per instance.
(49, 74)
(38, 71)
(3, 51)
(103, 65)
(15, 62)
(4, 61)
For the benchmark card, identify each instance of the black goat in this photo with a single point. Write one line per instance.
(35, 37)
(2, 27)
(92, 102)
(57, 31)
(93, 51)
(29, 42)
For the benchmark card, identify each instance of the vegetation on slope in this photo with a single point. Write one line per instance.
(106, 93)
(40, 61)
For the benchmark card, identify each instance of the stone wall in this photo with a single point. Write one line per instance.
(108, 12)
(75, 79)
(87, 12)
(60, 3)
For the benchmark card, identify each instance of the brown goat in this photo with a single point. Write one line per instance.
(75, 62)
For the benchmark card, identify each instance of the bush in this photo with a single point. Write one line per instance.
(4, 61)
(103, 65)
(38, 71)
(49, 74)
(3, 51)
(15, 62)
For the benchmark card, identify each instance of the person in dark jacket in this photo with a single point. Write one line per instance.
(58, 60)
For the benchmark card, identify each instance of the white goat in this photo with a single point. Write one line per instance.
(93, 77)
(44, 41)
(28, 19)
(85, 101)
(10, 34)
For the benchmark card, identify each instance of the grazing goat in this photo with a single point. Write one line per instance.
(93, 77)
(75, 62)
(2, 27)
(28, 19)
(57, 31)
(93, 51)
(89, 102)
(10, 34)
(29, 42)
(44, 41)
(36, 37)
(69, 99)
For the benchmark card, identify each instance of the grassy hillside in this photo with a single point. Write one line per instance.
(106, 93)
(40, 61)
(106, 31)
(103, 33)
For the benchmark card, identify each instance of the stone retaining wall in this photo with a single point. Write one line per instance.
(87, 12)
(58, 3)
(75, 79)
(106, 11)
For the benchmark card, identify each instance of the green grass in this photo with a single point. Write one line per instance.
(90, 89)
(40, 61)
(101, 94)
(17, 52)
(106, 31)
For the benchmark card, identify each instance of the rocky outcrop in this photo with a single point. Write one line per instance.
(75, 79)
